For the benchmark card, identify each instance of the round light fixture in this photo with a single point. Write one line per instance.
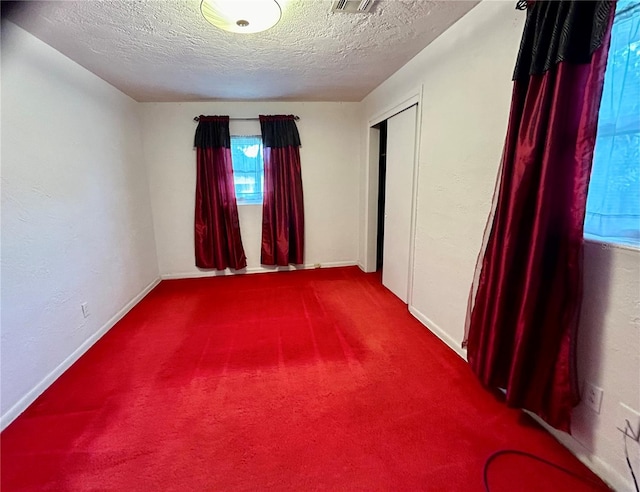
(241, 16)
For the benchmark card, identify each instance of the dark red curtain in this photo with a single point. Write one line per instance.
(218, 243)
(283, 204)
(524, 316)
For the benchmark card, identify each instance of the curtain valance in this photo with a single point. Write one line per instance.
(561, 31)
(212, 132)
(279, 131)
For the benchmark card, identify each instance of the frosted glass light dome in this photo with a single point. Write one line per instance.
(241, 16)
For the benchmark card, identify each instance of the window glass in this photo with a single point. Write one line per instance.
(248, 175)
(613, 203)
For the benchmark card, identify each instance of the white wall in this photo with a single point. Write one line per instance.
(466, 90)
(330, 166)
(609, 357)
(76, 217)
(466, 80)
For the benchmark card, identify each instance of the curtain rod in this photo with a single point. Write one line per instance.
(197, 118)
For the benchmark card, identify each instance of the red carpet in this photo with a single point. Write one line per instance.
(308, 380)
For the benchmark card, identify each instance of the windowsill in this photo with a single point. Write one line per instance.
(243, 204)
(609, 245)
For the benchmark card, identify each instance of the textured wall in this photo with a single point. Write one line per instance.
(330, 163)
(76, 217)
(466, 75)
(609, 354)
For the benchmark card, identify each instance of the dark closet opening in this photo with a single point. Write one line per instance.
(382, 173)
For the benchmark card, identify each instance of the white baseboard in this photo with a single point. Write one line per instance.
(259, 269)
(336, 264)
(11, 414)
(439, 332)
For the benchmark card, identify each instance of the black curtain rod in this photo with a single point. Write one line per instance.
(197, 118)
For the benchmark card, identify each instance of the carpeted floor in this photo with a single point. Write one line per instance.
(307, 380)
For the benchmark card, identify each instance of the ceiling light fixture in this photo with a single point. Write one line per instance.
(241, 16)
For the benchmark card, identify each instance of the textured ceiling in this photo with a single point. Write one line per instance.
(166, 51)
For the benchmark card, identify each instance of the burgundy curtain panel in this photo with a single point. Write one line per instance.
(525, 303)
(283, 205)
(218, 243)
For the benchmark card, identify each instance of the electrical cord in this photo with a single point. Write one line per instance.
(490, 459)
(626, 455)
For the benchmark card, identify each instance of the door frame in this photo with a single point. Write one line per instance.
(411, 98)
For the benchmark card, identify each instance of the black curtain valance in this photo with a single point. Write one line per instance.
(279, 131)
(561, 31)
(213, 132)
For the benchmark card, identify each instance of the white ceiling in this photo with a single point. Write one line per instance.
(164, 50)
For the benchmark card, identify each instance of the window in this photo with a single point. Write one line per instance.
(248, 175)
(613, 203)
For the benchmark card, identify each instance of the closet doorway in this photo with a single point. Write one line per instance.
(382, 170)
